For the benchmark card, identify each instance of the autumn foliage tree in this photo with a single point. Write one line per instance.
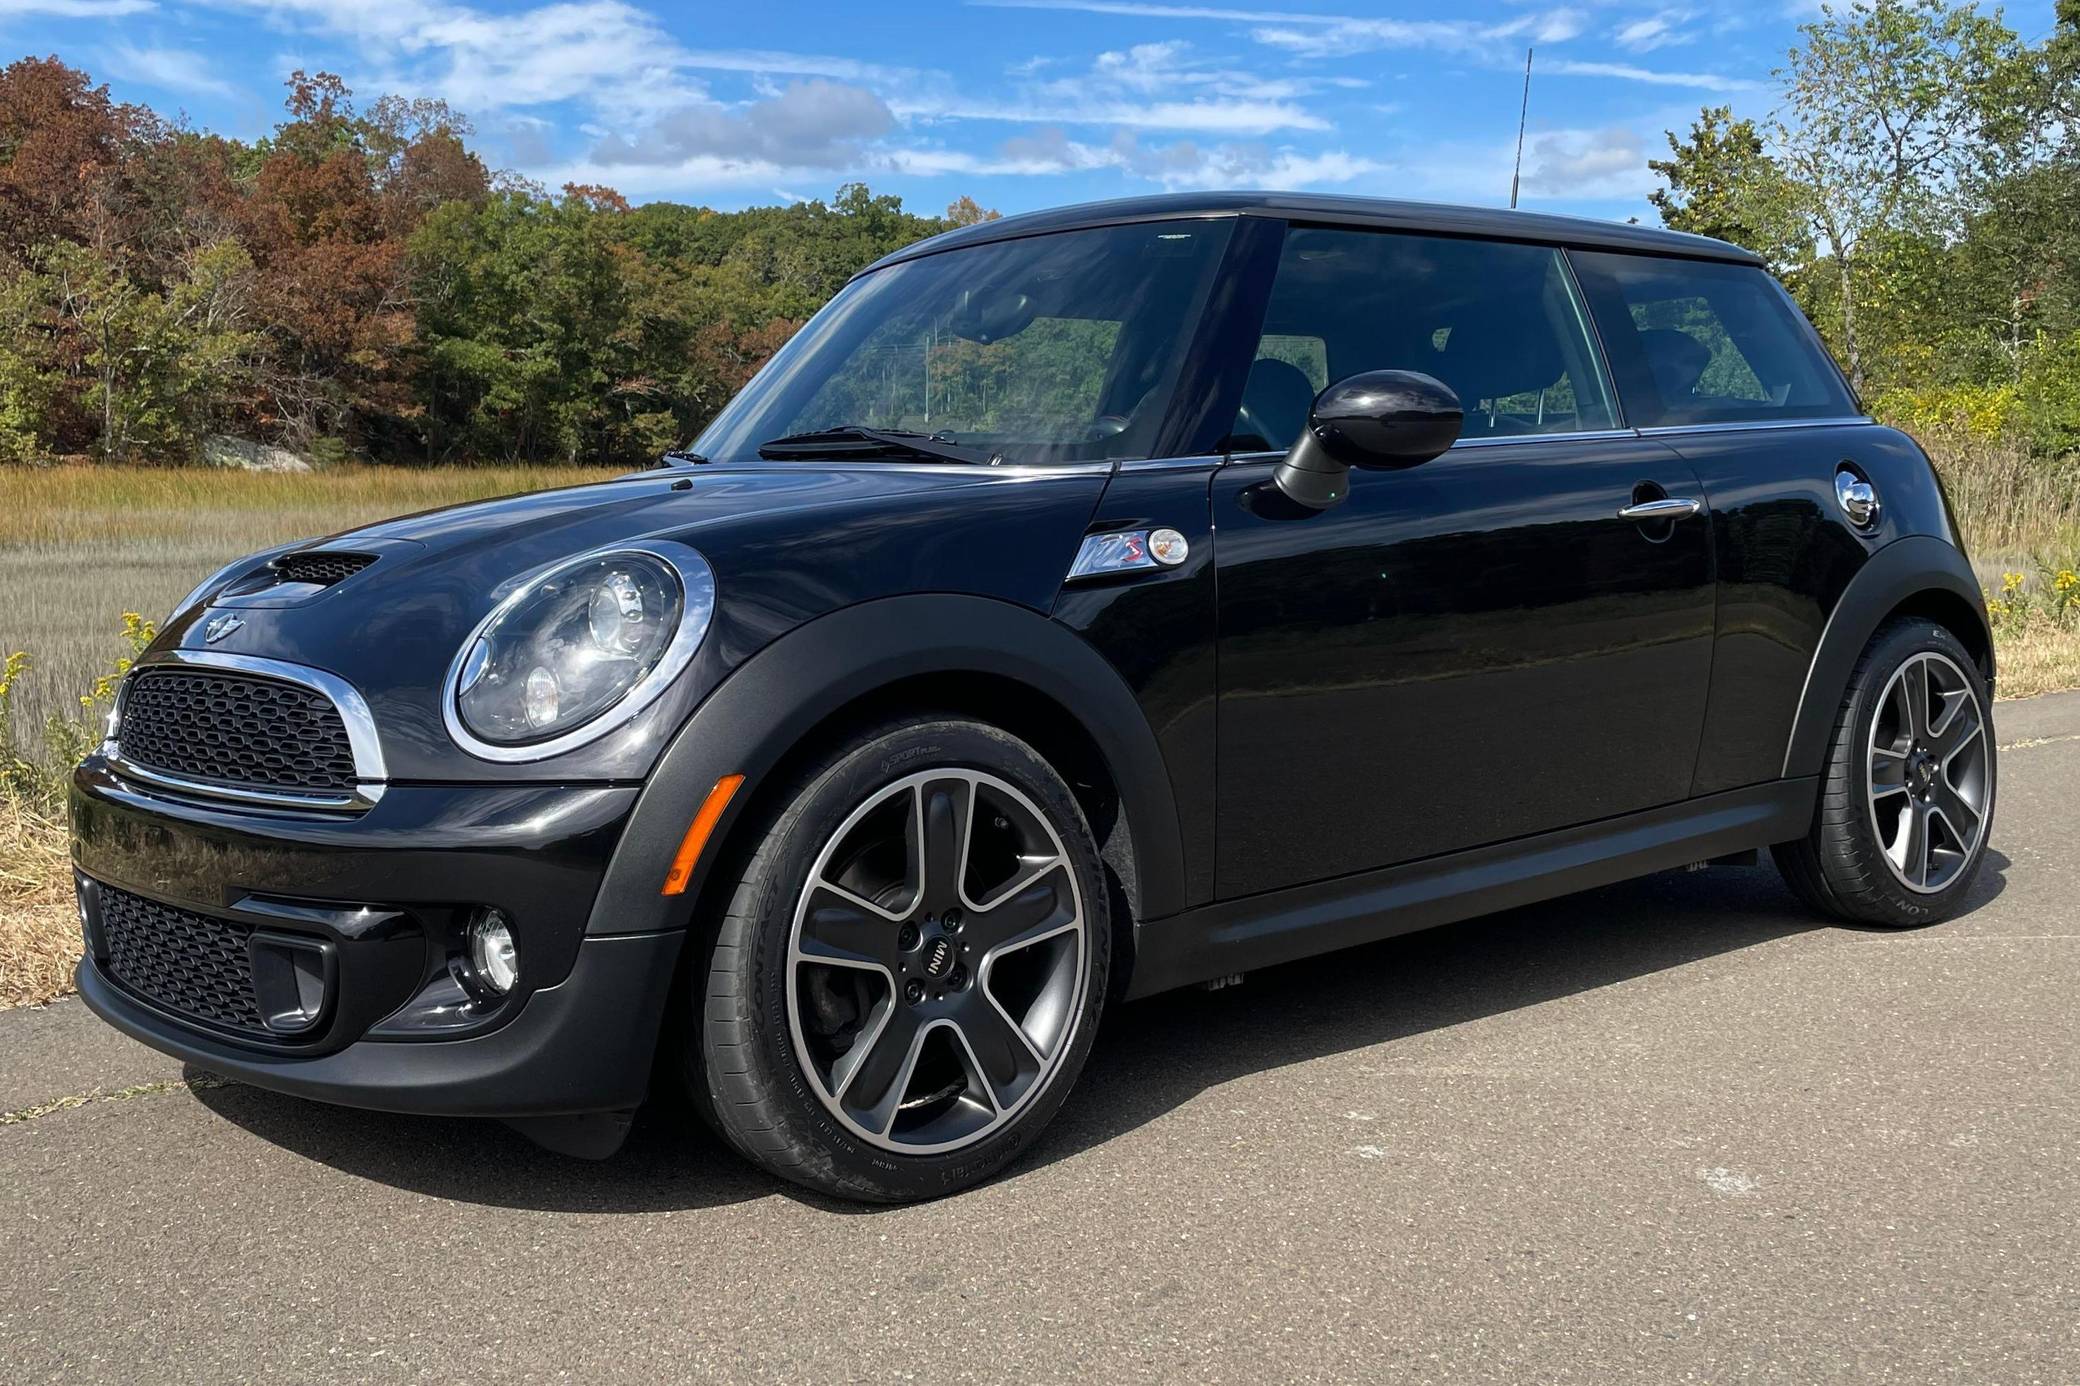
(357, 283)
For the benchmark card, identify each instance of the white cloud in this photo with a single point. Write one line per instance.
(1586, 164)
(1702, 81)
(1316, 34)
(809, 125)
(1654, 31)
(1152, 86)
(1183, 164)
(791, 64)
(1138, 10)
(1329, 38)
(170, 69)
(72, 9)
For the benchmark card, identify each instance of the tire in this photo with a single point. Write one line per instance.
(1854, 863)
(849, 1034)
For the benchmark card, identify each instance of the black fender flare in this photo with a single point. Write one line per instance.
(1902, 570)
(777, 696)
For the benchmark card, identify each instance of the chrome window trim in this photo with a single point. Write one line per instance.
(1587, 435)
(1737, 425)
(370, 773)
(1192, 462)
(1592, 435)
(697, 588)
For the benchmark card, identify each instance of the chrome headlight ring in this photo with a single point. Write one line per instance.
(696, 582)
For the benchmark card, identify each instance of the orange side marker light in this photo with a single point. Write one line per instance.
(697, 834)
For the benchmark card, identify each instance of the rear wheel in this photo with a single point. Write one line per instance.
(909, 973)
(1906, 796)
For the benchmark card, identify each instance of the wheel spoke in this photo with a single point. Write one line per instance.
(1888, 773)
(1005, 1060)
(940, 835)
(1913, 687)
(842, 930)
(1909, 849)
(1958, 730)
(1036, 907)
(1958, 815)
(871, 1085)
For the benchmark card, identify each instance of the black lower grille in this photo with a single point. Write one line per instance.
(191, 963)
(237, 729)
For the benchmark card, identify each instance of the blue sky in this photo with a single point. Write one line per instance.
(1020, 103)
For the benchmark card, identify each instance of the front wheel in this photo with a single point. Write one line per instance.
(908, 976)
(1906, 795)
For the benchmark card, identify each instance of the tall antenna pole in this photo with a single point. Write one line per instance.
(1522, 111)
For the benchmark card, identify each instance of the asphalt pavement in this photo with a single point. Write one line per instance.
(1675, 1130)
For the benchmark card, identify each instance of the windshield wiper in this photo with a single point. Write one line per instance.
(851, 440)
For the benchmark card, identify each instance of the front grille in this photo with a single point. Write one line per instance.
(235, 729)
(190, 963)
(319, 568)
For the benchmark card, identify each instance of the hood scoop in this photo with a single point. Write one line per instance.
(319, 568)
(293, 578)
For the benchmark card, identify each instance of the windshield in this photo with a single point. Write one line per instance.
(1054, 348)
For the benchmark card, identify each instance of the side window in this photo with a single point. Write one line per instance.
(1309, 355)
(1696, 341)
(1499, 323)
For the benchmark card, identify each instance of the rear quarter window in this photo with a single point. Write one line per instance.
(1697, 341)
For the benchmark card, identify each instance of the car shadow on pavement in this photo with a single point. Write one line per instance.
(670, 1163)
(1151, 1056)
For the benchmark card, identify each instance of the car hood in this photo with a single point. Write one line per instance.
(787, 542)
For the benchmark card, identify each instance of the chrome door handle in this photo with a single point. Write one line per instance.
(1666, 508)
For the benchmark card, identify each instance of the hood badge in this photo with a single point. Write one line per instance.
(219, 627)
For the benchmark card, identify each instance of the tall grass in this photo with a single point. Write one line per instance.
(2010, 504)
(81, 545)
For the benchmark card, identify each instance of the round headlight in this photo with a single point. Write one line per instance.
(600, 632)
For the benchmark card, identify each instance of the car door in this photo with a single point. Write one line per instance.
(1478, 648)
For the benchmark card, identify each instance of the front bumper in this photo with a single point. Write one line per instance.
(384, 898)
(584, 1045)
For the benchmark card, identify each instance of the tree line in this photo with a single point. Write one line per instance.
(1917, 186)
(358, 284)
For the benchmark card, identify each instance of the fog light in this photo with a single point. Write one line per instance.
(492, 955)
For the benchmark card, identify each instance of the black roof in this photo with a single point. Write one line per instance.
(1492, 223)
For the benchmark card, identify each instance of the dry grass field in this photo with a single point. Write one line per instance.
(81, 546)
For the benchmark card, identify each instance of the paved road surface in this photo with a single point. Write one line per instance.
(1669, 1131)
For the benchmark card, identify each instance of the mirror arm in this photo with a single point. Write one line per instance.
(1309, 476)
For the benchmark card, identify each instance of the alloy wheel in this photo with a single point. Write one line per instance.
(1928, 772)
(936, 964)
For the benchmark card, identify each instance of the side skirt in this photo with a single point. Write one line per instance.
(1234, 936)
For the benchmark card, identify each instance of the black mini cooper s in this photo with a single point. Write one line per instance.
(1082, 604)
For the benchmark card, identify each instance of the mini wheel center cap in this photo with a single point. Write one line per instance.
(939, 957)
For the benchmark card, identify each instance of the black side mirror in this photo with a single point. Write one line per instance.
(1374, 419)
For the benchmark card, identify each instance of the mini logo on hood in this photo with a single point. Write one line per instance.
(220, 627)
